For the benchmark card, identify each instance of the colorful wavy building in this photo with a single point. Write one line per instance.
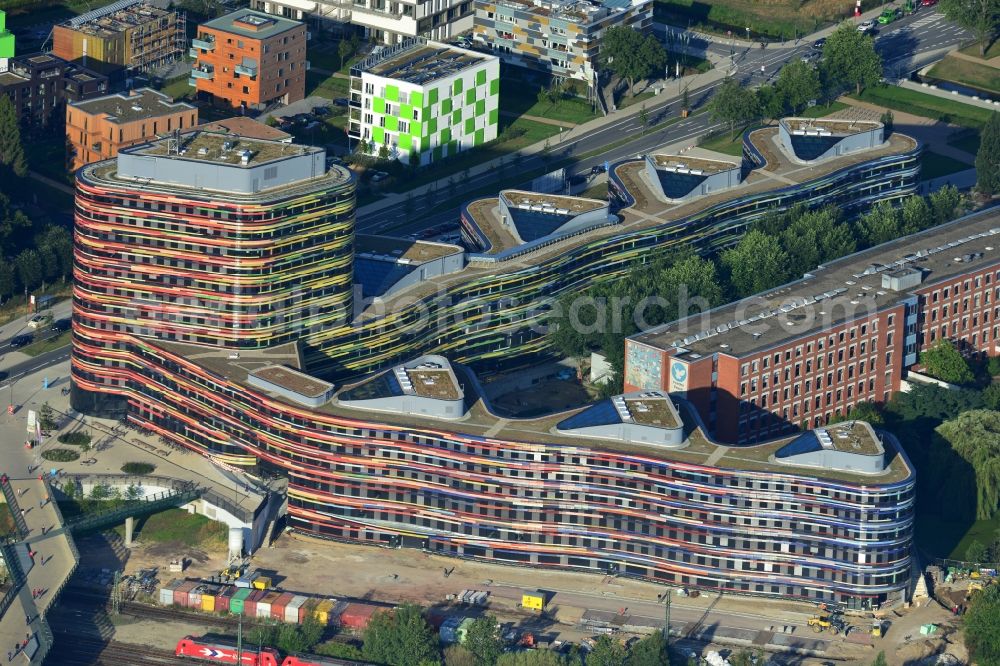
(220, 288)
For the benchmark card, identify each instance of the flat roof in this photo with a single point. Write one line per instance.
(116, 18)
(554, 201)
(10, 78)
(435, 383)
(652, 411)
(420, 62)
(845, 288)
(246, 127)
(207, 146)
(851, 437)
(835, 126)
(417, 252)
(572, 10)
(690, 163)
(128, 107)
(293, 380)
(253, 24)
(480, 421)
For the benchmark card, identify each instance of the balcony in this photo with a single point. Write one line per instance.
(203, 44)
(247, 68)
(193, 52)
(206, 72)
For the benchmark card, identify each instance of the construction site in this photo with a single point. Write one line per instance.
(130, 35)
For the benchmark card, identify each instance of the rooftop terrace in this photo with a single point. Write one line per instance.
(843, 289)
(222, 148)
(419, 62)
(690, 164)
(116, 17)
(253, 24)
(576, 11)
(136, 105)
(293, 380)
(480, 421)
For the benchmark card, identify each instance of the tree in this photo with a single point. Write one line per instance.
(483, 640)
(916, 215)
(946, 204)
(991, 396)
(797, 84)
(769, 102)
(943, 361)
(982, 639)
(6, 280)
(650, 651)
(456, 655)
(980, 16)
(880, 659)
(607, 652)
(11, 148)
(631, 54)
(644, 116)
(345, 50)
(880, 225)
(988, 157)
(747, 657)
(849, 59)
(975, 553)
(756, 264)
(866, 411)
(534, 658)
(813, 237)
(975, 436)
(46, 417)
(685, 99)
(887, 120)
(400, 637)
(733, 105)
(28, 265)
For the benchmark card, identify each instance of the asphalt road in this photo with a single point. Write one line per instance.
(15, 372)
(921, 36)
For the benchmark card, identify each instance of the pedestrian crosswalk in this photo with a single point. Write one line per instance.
(926, 20)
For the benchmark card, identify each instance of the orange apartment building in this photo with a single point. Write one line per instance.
(249, 60)
(97, 129)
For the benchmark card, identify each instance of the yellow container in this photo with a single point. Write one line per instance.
(262, 583)
(322, 611)
(208, 602)
(533, 601)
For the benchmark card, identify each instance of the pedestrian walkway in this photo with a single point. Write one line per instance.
(62, 187)
(40, 560)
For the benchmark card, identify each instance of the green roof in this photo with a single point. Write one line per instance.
(240, 21)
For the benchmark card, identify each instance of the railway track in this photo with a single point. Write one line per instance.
(72, 650)
(85, 599)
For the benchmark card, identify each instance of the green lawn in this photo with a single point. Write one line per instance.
(178, 88)
(599, 191)
(328, 59)
(967, 140)
(991, 52)
(774, 19)
(330, 87)
(922, 104)
(47, 345)
(945, 537)
(521, 99)
(722, 143)
(933, 165)
(822, 110)
(192, 530)
(971, 74)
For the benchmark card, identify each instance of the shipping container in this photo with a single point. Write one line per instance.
(265, 602)
(295, 610)
(223, 597)
(243, 581)
(250, 605)
(167, 591)
(181, 593)
(208, 599)
(357, 616)
(322, 611)
(237, 603)
(278, 607)
(194, 597)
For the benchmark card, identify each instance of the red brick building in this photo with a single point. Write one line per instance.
(249, 60)
(842, 335)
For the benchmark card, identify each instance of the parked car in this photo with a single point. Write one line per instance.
(61, 325)
(36, 321)
(321, 111)
(866, 26)
(928, 3)
(890, 15)
(809, 56)
(596, 169)
(379, 176)
(819, 44)
(342, 101)
(21, 340)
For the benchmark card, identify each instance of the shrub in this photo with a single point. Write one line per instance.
(138, 468)
(60, 455)
(77, 438)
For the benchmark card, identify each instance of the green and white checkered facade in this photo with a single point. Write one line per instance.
(437, 119)
(6, 41)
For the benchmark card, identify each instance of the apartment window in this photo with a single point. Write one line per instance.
(239, 44)
(246, 90)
